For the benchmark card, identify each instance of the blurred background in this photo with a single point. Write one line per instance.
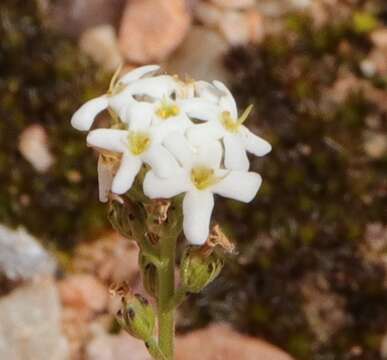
(310, 280)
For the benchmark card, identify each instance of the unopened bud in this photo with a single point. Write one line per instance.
(199, 269)
(137, 317)
(126, 217)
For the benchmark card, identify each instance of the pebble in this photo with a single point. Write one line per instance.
(152, 29)
(101, 44)
(83, 292)
(73, 17)
(234, 4)
(22, 258)
(30, 325)
(200, 56)
(33, 145)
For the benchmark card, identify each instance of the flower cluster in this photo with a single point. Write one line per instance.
(187, 133)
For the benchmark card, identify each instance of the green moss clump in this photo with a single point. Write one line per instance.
(43, 79)
(320, 190)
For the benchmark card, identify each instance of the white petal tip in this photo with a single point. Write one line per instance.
(79, 123)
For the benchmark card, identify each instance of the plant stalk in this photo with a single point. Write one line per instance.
(166, 291)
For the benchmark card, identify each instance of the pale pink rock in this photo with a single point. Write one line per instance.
(73, 17)
(116, 347)
(200, 56)
(84, 293)
(379, 37)
(235, 28)
(33, 145)
(101, 44)
(208, 14)
(241, 28)
(220, 342)
(152, 29)
(255, 22)
(234, 4)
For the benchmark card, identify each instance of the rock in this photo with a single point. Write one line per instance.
(379, 37)
(152, 29)
(30, 325)
(73, 17)
(33, 145)
(375, 144)
(121, 347)
(221, 342)
(101, 44)
(234, 4)
(235, 28)
(208, 14)
(255, 22)
(84, 293)
(200, 56)
(112, 259)
(22, 257)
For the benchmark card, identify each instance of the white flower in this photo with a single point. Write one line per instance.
(139, 144)
(223, 124)
(115, 98)
(200, 177)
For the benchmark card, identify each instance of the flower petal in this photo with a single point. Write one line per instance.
(253, 143)
(156, 87)
(199, 109)
(120, 102)
(235, 157)
(227, 101)
(209, 154)
(139, 115)
(160, 160)
(202, 133)
(84, 117)
(197, 210)
(207, 91)
(138, 73)
(156, 187)
(180, 148)
(239, 185)
(108, 139)
(129, 168)
(162, 128)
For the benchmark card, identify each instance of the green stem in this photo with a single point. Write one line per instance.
(166, 290)
(178, 298)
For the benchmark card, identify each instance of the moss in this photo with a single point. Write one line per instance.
(43, 79)
(320, 191)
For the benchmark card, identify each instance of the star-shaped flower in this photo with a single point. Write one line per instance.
(200, 177)
(223, 124)
(141, 143)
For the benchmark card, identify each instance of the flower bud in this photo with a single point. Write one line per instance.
(198, 269)
(126, 217)
(137, 317)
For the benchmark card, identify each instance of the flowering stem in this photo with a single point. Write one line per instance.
(166, 290)
(178, 298)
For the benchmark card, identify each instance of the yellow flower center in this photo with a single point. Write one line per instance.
(231, 124)
(203, 177)
(138, 142)
(167, 110)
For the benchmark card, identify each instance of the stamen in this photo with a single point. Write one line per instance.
(228, 122)
(231, 124)
(138, 142)
(113, 81)
(167, 109)
(245, 114)
(203, 177)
